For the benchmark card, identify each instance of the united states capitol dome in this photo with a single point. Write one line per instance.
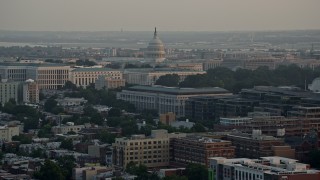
(155, 50)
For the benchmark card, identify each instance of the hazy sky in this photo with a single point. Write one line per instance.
(167, 15)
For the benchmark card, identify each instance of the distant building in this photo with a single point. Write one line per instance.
(48, 76)
(148, 76)
(7, 132)
(165, 99)
(85, 76)
(109, 82)
(10, 90)
(64, 129)
(151, 151)
(196, 149)
(211, 64)
(155, 50)
(315, 85)
(265, 168)
(31, 92)
(71, 101)
(167, 118)
(257, 145)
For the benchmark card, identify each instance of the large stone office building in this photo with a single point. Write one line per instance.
(166, 99)
(85, 76)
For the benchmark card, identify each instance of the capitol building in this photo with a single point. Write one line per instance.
(155, 50)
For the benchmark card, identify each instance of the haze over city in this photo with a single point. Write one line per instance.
(160, 89)
(168, 15)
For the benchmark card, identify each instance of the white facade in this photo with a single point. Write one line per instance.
(315, 85)
(165, 99)
(71, 101)
(243, 168)
(85, 76)
(7, 132)
(149, 77)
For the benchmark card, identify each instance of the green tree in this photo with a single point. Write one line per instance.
(170, 80)
(67, 163)
(50, 171)
(197, 127)
(67, 144)
(50, 104)
(114, 112)
(197, 172)
(314, 157)
(24, 139)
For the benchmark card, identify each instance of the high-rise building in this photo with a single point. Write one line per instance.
(265, 168)
(30, 92)
(151, 151)
(10, 90)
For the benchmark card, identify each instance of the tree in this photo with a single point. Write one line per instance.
(50, 171)
(175, 177)
(170, 80)
(50, 104)
(114, 112)
(67, 144)
(197, 172)
(106, 137)
(314, 157)
(24, 139)
(70, 85)
(67, 163)
(197, 127)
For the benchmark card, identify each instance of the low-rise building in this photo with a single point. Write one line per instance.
(64, 129)
(7, 132)
(257, 145)
(265, 168)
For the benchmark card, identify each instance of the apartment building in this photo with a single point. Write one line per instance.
(85, 76)
(64, 129)
(264, 168)
(166, 99)
(151, 151)
(31, 92)
(10, 90)
(197, 149)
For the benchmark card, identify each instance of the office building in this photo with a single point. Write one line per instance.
(166, 99)
(264, 168)
(151, 151)
(10, 90)
(85, 76)
(257, 145)
(197, 149)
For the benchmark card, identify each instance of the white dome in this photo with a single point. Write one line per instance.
(155, 50)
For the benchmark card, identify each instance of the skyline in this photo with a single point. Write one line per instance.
(204, 15)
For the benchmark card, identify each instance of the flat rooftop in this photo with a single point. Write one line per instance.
(179, 91)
